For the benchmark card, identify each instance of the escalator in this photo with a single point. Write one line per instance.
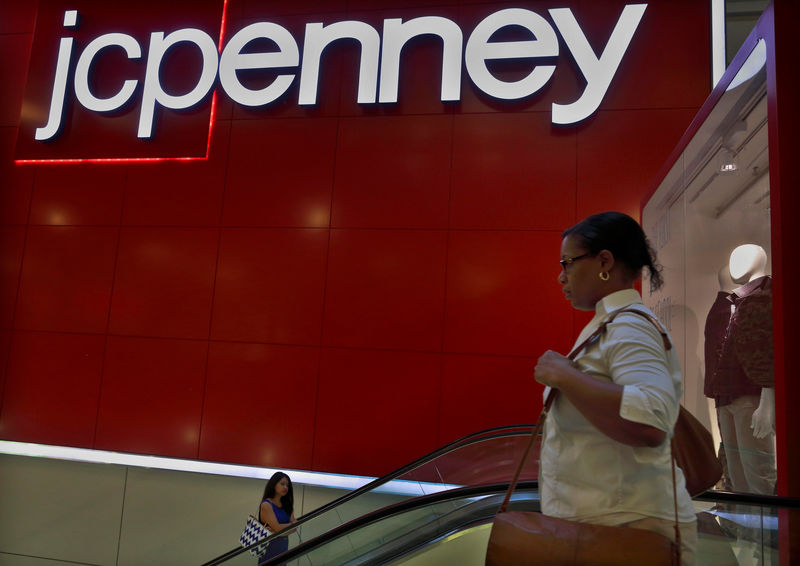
(439, 510)
(458, 487)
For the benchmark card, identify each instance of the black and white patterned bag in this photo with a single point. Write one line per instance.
(252, 533)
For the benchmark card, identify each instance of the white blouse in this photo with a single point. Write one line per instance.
(585, 475)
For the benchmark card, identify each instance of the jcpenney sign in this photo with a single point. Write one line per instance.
(379, 63)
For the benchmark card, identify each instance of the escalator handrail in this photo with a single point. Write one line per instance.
(749, 499)
(488, 434)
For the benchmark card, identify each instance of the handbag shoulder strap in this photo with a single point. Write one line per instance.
(540, 421)
(609, 319)
(653, 320)
(512, 486)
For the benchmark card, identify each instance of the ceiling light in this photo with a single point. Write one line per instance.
(727, 161)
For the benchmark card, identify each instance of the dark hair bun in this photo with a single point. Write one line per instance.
(622, 236)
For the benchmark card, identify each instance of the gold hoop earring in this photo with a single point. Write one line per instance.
(604, 275)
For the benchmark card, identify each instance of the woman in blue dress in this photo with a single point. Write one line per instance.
(277, 512)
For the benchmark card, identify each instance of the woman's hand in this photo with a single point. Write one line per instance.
(552, 368)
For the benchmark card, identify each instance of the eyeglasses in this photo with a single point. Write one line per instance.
(567, 261)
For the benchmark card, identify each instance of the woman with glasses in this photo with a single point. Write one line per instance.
(605, 454)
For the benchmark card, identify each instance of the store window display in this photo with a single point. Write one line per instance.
(739, 371)
(711, 212)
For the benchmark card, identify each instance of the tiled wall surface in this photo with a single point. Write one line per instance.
(340, 288)
(56, 511)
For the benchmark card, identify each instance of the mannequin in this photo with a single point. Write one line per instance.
(749, 262)
(739, 370)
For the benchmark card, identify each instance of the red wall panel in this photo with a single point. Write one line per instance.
(16, 183)
(280, 172)
(392, 172)
(14, 55)
(471, 385)
(270, 285)
(512, 171)
(18, 17)
(52, 388)
(260, 404)
(12, 242)
(502, 295)
(369, 399)
(364, 282)
(164, 282)
(152, 396)
(385, 289)
(66, 280)
(5, 349)
(82, 195)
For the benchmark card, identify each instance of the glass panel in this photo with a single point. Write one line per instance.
(395, 535)
(738, 534)
(710, 223)
(740, 18)
(483, 462)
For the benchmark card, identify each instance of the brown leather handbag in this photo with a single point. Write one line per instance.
(520, 538)
(693, 450)
(523, 538)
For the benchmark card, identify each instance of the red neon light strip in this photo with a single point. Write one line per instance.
(223, 22)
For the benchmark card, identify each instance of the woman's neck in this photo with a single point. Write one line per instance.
(276, 500)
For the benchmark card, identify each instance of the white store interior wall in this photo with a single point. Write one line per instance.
(699, 215)
(66, 512)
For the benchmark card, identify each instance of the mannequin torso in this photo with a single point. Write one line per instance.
(739, 368)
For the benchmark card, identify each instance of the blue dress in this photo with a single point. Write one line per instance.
(281, 544)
